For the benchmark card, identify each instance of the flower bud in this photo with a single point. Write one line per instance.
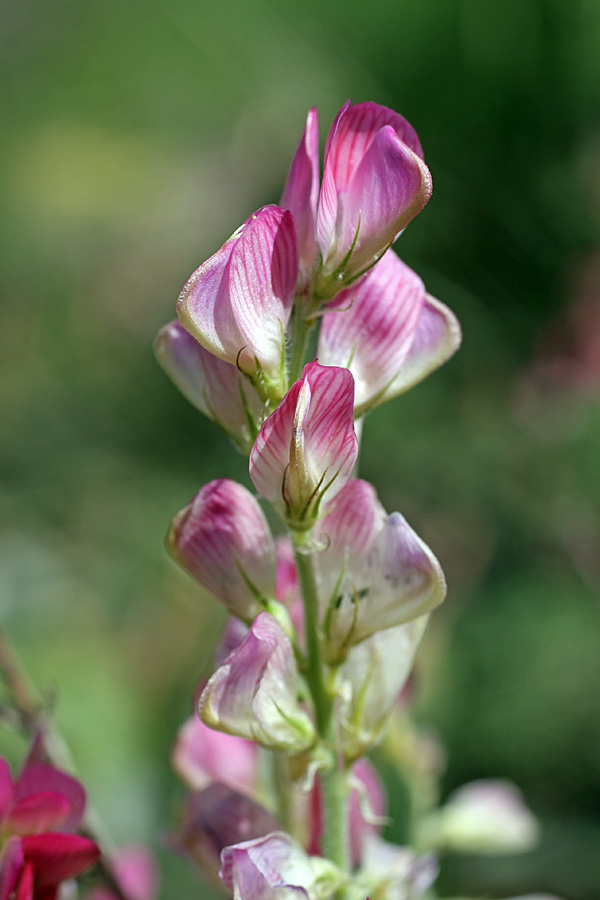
(218, 389)
(305, 451)
(238, 303)
(374, 183)
(387, 331)
(254, 693)
(223, 540)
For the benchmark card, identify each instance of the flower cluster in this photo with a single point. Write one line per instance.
(325, 620)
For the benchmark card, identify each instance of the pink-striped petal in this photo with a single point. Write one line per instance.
(353, 131)
(223, 540)
(390, 186)
(306, 449)
(371, 326)
(301, 195)
(374, 573)
(218, 389)
(238, 304)
(374, 183)
(254, 693)
(437, 337)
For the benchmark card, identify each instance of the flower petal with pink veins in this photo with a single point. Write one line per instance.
(374, 183)
(223, 540)
(218, 389)
(254, 693)
(301, 195)
(238, 303)
(306, 449)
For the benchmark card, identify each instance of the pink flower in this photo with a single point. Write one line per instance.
(254, 694)
(218, 389)
(301, 194)
(202, 756)
(275, 867)
(305, 451)
(375, 572)
(223, 540)
(374, 183)
(38, 814)
(238, 303)
(387, 331)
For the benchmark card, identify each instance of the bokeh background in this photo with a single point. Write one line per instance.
(136, 137)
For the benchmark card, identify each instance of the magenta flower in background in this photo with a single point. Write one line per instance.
(375, 572)
(306, 449)
(254, 693)
(387, 331)
(374, 183)
(238, 303)
(39, 813)
(301, 195)
(218, 389)
(223, 540)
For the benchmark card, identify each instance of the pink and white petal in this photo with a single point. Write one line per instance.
(254, 693)
(202, 756)
(355, 129)
(347, 532)
(301, 192)
(262, 282)
(407, 581)
(390, 186)
(437, 337)
(223, 540)
(37, 777)
(276, 868)
(38, 813)
(330, 443)
(204, 307)
(270, 455)
(370, 327)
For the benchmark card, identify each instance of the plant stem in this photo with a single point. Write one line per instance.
(333, 780)
(31, 714)
(301, 329)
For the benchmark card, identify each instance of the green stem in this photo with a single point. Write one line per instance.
(301, 329)
(333, 780)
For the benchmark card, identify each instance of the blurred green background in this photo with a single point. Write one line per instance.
(136, 137)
